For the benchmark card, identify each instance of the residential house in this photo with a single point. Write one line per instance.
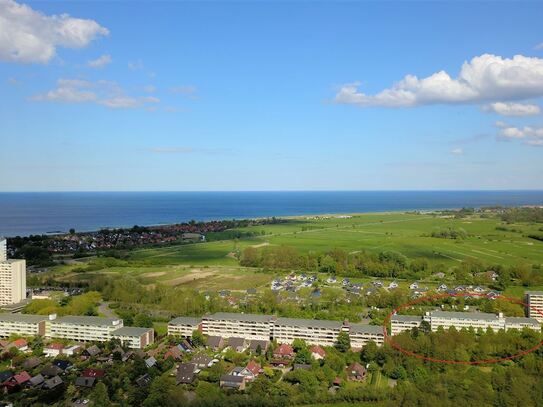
(96, 373)
(91, 351)
(86, 382)
(20, 344)
(36, 381)
(255, 344)
(150, 362)
(237, 344)
(202, 361)
(356, 372)
(186, 373)
(175, 352)
(144, 380)
(53, 382)
(215, 342)
(254, 368)
(51, 371)
(63, 364)
(31, 363)
(414, 286)
(284, 351)
(232, 382)
(54, 349)
(317, 352)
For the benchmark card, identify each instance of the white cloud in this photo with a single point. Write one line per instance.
(188, 90)
(539, 46)
(29, 36)
(457, 151)
(135, 65)
(485, 78)
(532, 136)
(105, 93)
(513, 109)
(172, 150)
(100, 62)
(149, 88)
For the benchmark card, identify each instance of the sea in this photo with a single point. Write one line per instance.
(27, 213)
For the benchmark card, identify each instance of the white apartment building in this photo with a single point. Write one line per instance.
(402, 323)
(184, 326)
(134, 337)
(534, 299)
(3, 249)
(12, 278)
(228, 325)
(459, 320)
(361, 334)
(82, 328)
(314, 332)
(521, 323)
(283, 330)
(22, 324)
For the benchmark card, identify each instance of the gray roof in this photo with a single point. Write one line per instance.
(185, 373)
(130, 331)
(369, 329)
(255, 342)
(201, 359)
(53, 382)
(232, 316)
(85, 381)
(406, 318)
(232, 378)
(36, 380)
(214, 341)
(30, 319)
(236, 342)
(192, 321)
(86, 320)
(465, 315)
(533, 292)
(309, 323)
(521, 320)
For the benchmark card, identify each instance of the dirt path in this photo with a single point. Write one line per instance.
(104, 309)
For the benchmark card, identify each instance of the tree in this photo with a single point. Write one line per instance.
(369, 352)
(143, 320)
(425, 327)
(99, 396)
(198, 338)
(343, 343)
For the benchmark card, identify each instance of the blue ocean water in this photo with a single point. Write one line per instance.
(46, 212)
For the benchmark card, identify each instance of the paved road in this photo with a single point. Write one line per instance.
(104, 309)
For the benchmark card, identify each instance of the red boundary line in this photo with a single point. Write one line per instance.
(450, 361)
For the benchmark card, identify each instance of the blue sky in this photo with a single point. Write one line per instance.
(270, 96)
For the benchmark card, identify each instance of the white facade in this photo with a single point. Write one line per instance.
(83, 328)
(314, 332)
(184, 326)
(12, 281)
(228, 325)
(361, 334)
(3, 249)
(22, 324)
(459, 320)
(134, 337)
(402, 323)
(534, 299)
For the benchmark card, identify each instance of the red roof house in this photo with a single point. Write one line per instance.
(254, 368)
(317, 352)
(94, 373)
(284, 351)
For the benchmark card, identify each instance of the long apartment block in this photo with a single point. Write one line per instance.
(75, 328)
(283, 330)
(459, 320)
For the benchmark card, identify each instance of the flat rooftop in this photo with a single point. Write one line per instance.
(406, 318)
(29, 319)
(87, 320)
(367, 329)
(308, 323)
(233, 316)
(464, 315)
(185, 321)
(131, 331)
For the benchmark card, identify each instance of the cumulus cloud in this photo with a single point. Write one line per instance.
(539, 46)
(530, 135)
(100, 62)
(135, 65)
(105, 93)
(513, 109)
(485, 78)
(29, 36)
(457, 151)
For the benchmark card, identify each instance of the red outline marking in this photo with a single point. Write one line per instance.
(450, 361)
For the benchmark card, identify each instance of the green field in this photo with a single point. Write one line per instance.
(400, 232)
(213, 265)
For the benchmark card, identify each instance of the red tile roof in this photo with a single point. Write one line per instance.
(318, 350)
(22, 377)
(55, 345)
(253, 367)
(19, 343)
(94, 373)
(284, 350)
